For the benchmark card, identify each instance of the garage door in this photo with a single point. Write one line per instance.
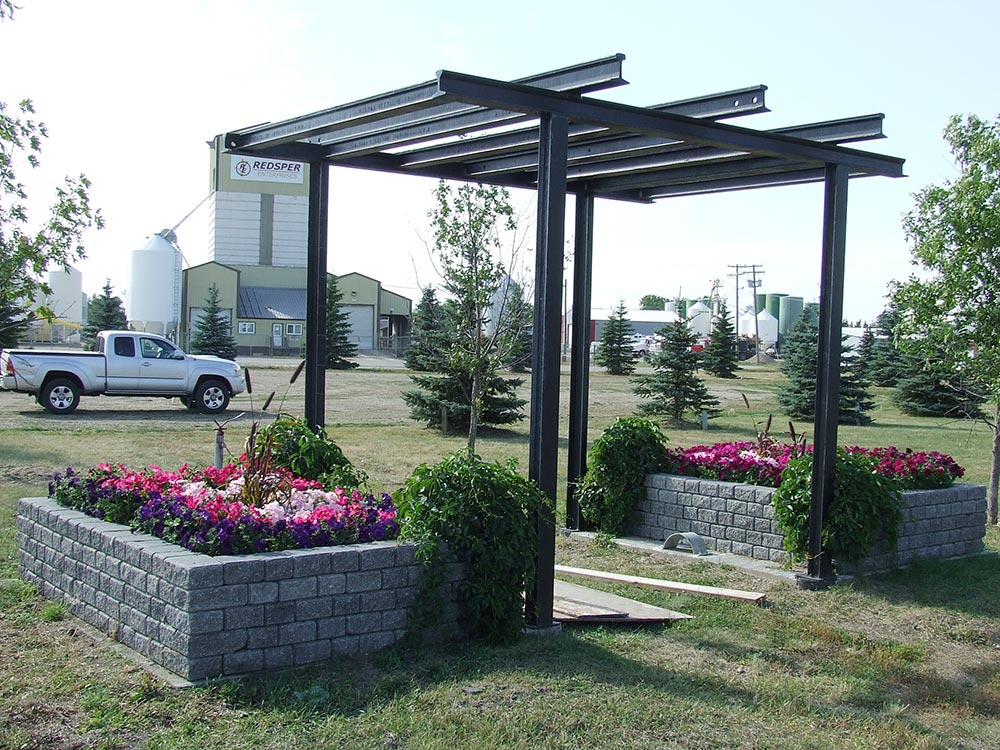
(362, 320)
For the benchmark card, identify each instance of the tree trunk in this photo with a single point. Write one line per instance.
(474, 411)
(991, 513)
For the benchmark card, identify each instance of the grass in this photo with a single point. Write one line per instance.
(908, 660)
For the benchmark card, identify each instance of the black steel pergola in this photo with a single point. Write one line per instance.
(545, 133)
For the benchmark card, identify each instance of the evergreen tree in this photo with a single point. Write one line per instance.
(886, 364)
(673, 388)
(934, 388)
(522, 316)
(799, 351)
(719, 357)
(866, 350)
(105, 312)
(338, 330)
(214, 333)
(652, 302)
(615, 351)
(798, 400)
(501, 404)
(429, 340)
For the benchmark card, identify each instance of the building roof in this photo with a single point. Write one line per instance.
(271, 303)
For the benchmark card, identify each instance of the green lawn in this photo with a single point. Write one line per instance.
(909, 660)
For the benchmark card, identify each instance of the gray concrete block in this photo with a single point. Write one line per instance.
(331, 627)
(277, 565)
(331, 584)
(297, 632)
(216, 644)
(378, 601)
(374, 642)
(297, 588)
(312, 652)
(250, 616)
(345, 560)
(241, 569)
(348, 645)
(347, 604)
(265, 637)
(279, 657)
(313, 609)
(243, 662)
(205, 621)
(279, 612)
(198, 669)
(363, 581)
(311, 562)
(262, 592)
(366, 622)
(395, 619)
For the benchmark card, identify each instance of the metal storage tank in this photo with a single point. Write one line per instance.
(767, 329)
(700, 319)
(747, 324)
(759, 302)
(153, 299)
(66, 299)
(773, 304)
(789, 310)
(681, 308)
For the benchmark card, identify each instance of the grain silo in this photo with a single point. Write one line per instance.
(772, 304)
(699, 319)
(153, 299)
(66, 299)
(789, 310)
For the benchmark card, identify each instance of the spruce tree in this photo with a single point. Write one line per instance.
(799, 351)
(338, 330)
(886, 364)
(866, 350)
(673, 389)
(799, 365)
(522, 315)
(501, 404)
(615, 351)
(429, 341)
(933, 388)
(105, 312)
(213, 334)
(719, 357)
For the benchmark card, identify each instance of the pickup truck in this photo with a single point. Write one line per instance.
(126, 363)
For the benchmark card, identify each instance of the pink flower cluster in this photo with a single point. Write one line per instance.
(763, 463)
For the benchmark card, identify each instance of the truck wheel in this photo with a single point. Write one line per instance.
(188, 402)
(211, 396)
(60, 396)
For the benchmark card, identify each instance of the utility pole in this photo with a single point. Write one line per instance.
(751, 269)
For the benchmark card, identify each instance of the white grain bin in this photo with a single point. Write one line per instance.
(700, 319)
(747, 325)
(767, 329)
(153, 298)
(66, 299)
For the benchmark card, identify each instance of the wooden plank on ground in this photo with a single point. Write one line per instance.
(661, 585)
(580, 604)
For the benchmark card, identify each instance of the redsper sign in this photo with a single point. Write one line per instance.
(266, 170)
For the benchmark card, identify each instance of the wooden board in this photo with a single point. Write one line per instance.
(661, 585)
(573, 603)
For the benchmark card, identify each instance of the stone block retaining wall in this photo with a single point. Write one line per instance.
(203, 617)
(738, 518)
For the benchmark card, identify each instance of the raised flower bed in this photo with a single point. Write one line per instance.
(939, 519)
(209, 585)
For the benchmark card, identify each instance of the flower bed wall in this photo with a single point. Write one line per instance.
(738, 518)
(203, 617)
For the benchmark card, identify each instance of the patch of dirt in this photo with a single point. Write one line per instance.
(29, 474)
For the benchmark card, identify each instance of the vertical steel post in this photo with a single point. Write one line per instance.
(319, 189)
(579, 372)
(543, 451)
(831, 308)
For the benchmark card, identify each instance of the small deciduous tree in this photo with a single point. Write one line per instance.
(470, 223)
(338, 330)
(614, 352)
(25, 250)
(674, 388)
(954, 231)
(719, 357)
(213, 333)
(105, 312)
(652, 302)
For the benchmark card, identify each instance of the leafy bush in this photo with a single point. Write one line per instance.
(864, 503)
(290, 443)
(485, 515)
(616, 472)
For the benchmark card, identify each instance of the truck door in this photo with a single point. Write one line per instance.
(122, 364)
(159, 372)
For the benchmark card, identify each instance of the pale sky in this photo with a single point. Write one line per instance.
(131, 91)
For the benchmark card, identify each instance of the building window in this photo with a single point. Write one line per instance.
(293, 329)
(247, 326)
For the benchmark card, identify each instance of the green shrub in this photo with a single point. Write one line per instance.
(290, 443)
(616, 472)
(864, 504)
(485, 515)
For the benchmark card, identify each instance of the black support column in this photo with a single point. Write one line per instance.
(579, 373)
(543, 452)
(831, 307)
(319, 189)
